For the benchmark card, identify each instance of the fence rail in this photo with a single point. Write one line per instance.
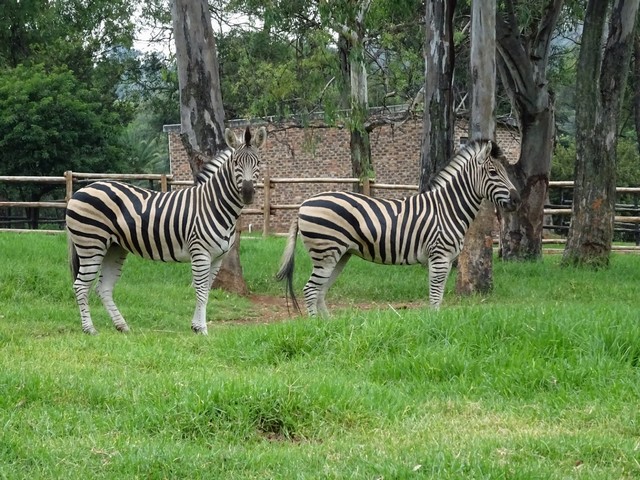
(71, 179)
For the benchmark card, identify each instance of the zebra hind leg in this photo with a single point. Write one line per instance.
(109, 275)
(88, 267)
(322, 293)
(325, 271)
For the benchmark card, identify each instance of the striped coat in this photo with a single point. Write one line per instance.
(428, 228)
(108, 220)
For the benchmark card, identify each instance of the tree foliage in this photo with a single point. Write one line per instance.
(52, 122)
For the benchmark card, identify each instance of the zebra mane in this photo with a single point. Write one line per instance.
(210, 165)
(460, 160)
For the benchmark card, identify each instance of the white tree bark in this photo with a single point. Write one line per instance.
(475, 273)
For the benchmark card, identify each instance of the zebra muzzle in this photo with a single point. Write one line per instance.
(247, 192)
(513, 202)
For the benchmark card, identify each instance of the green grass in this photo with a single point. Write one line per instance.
(540, 379)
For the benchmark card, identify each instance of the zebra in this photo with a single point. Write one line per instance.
(107, 220)
(427, 228)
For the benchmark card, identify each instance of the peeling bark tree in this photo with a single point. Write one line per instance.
(439, 117)
(600, 85)
(348, 21)
(201, 109)
(475, 264)
(636, 84)
(522, 62)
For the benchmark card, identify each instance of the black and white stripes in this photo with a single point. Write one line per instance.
(108, 220)
(428, 228)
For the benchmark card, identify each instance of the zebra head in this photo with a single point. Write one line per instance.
(246, 160)
(495, 182)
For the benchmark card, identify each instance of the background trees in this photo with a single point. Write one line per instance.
(602, 75)
(288, 57)
(524, 38)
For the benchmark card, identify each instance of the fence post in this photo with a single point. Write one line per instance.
(266, 220)
(366, 186)
(635, 211)
(68, 179)
(163, 183)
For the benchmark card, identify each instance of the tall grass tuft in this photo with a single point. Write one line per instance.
(539, 379)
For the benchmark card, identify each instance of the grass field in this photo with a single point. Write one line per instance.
(540, 379)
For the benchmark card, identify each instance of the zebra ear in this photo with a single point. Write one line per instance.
(231, 139)
(260, 138)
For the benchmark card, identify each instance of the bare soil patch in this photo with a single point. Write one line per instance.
(268, 309)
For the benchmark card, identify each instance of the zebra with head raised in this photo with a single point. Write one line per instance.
(107, 220)
(427, 228)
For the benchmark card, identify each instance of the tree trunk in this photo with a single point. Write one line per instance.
(230, 276)
(600, 86)
(636, 85)
(475, 265)
(521, 230)
(522, 63)
(351, 53)
(201, 108)
(439, 116)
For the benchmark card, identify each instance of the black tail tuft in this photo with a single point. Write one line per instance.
(288, 264)
(74, 261)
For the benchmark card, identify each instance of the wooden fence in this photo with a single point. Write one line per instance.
(629, 223)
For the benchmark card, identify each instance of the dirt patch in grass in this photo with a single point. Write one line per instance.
(267, 309)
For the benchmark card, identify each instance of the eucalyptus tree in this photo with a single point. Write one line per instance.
(438, 115)
(201, 108)
(523, 34)
(348, 20)
(602, 73)
(475, 274)
(349, 55)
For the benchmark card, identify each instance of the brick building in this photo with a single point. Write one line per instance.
(324, 152)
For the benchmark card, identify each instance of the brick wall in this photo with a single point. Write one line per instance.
(324, 152)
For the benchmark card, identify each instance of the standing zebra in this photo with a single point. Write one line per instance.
(107, 220)
(427, 228)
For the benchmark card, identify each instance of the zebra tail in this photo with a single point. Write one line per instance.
(287, 265)
(74, 262)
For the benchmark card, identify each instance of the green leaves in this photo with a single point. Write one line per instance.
(50, 122)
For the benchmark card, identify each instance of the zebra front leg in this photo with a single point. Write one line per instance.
(109, 275)
(439, 268)
(204, 271)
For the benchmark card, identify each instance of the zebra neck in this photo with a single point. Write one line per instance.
(212, 165)
(221, 192)
(458, 203)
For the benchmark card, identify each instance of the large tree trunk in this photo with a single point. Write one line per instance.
(521, 230)
(201, 108)
(475, 265)
(351, 43)
(439, 117)
(522, 64)
(600, 86)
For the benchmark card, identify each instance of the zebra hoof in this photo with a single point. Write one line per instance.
(123, 328)
(90, 331)
(199, 330)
